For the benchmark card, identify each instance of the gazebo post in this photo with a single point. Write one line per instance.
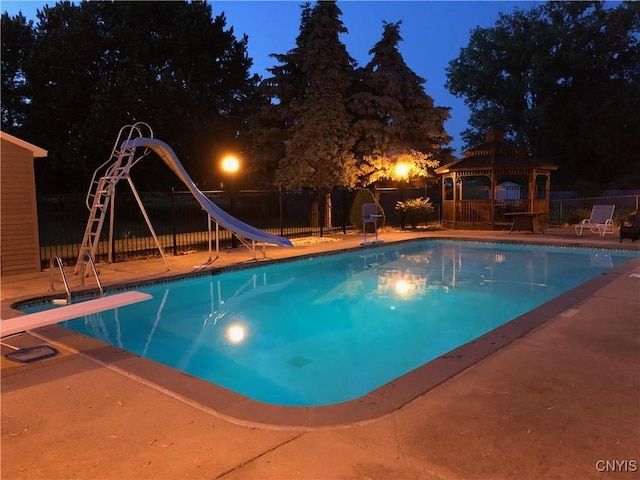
(455, 199)
(532, 190)
(494, 190)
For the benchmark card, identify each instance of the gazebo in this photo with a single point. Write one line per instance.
(493, 178)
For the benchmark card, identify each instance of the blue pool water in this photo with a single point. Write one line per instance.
(333, 328)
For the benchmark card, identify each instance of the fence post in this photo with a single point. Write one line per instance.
(280, 207)
(344, 211)
(322, 207)
(173, 222)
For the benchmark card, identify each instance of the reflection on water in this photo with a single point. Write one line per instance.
(284, 333)
(413, 276)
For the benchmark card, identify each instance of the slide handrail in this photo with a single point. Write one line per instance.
(127, 132)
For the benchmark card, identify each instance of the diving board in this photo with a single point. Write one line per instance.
(68, 312)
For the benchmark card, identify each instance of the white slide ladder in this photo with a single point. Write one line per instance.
(101, 192)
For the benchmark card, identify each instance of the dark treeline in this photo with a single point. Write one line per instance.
(561, 79)
(83, 71)
(70, 82)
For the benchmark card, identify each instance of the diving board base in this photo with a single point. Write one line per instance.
(68, 312)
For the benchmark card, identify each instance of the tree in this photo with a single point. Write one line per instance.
(281, 96)
(308, 92)
(97, 66)
(332, 125)
(396, 121)
(17, 42)
(563, 80)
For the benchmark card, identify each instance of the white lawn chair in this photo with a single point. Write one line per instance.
(370, 215)
(600, 221)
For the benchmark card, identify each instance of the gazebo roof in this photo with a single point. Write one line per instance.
(496, 152)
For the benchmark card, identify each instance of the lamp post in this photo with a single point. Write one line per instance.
(230, 165)
(402, 172)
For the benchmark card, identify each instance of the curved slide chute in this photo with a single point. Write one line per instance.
(229, 222)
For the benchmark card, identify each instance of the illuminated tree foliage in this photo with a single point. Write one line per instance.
(563, 79)
(396, 121)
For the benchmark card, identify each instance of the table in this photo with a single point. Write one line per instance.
(523, 221)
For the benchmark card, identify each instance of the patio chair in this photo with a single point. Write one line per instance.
(370, 215)
(600, 221)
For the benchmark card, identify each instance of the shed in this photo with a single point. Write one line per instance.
(20, 244)
(493, 178)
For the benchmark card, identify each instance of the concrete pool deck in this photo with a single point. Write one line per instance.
(560, 402)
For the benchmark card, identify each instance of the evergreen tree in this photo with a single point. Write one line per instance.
(309, 91)
(396, 121)
(282, 96)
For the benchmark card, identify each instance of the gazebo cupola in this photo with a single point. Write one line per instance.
(493, 178)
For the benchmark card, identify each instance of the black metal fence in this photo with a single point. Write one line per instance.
(572, 210)
(181, 225)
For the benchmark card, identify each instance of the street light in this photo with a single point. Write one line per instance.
(402, 172)
(231, 165)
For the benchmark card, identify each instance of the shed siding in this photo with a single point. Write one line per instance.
(18, 211)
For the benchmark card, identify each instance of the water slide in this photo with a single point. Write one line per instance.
(229, 222)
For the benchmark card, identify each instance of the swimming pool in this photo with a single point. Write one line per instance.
(325, 330)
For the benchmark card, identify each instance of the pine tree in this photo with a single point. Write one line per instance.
(396, 120)
(310, 89)
(282, 95)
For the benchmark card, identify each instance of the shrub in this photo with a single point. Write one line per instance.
(578, 215)
(364, 196)
(415, 211)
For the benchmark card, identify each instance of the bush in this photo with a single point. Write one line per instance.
(364, 196)
(578, 215)
(415, 211)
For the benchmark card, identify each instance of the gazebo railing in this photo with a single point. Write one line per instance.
(478, 211)
(474, 211)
